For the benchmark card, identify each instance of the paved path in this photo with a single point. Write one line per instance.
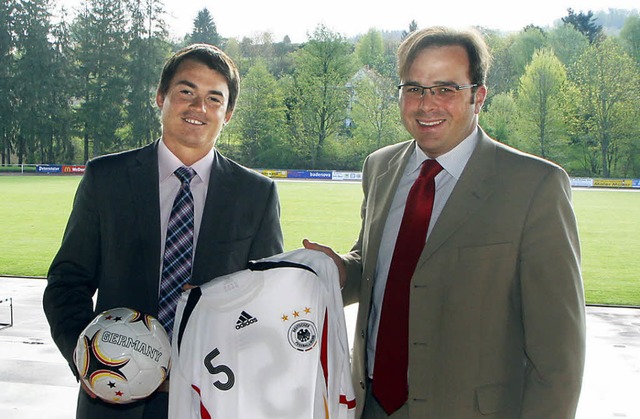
(36, 382)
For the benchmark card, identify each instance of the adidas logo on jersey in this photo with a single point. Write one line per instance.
(245, 320)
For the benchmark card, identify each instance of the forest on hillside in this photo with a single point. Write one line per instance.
(72, 88)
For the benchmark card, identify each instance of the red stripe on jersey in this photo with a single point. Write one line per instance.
(324, 357)
(351, 404)
(204, 413)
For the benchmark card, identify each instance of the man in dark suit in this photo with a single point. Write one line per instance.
(115, 238)
(496, 323)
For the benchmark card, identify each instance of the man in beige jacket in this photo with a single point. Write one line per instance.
(496, 322)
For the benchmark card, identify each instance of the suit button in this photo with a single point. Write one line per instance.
(362, 333)
(362, 385)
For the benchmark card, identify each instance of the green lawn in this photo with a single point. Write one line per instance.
(609, 225)
(34, 210)
(327, 213)
(33, 214)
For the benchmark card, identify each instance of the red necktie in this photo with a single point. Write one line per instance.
(392, 352)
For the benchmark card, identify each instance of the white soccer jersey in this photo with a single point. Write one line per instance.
(266, 342)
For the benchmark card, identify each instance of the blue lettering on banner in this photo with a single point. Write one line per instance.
(320, 175)
(309, 174)
(49, 169)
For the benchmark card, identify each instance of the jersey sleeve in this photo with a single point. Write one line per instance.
(184, 398)
(341, 396)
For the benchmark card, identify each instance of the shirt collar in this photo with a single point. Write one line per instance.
(168, 163)
(453, 162)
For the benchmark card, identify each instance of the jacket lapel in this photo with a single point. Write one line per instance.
(217, 204)
(381, 195)
(143, 178)
(473, 188)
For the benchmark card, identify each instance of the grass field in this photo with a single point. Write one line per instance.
(34, 211)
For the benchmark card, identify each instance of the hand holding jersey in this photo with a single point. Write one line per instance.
(342, 270)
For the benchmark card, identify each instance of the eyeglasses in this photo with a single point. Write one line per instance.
(440, 91)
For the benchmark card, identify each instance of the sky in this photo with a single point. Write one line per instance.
(298, 18)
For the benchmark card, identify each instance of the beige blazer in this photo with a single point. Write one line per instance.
(497, 321)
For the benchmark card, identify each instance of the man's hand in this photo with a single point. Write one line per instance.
(84, 386)
(342, 270)
(87, 390)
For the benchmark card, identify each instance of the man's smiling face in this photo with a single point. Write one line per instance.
(194, 110)
(439, 125)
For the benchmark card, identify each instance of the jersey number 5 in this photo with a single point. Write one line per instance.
(219, 369)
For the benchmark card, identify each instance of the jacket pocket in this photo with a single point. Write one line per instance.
(472, 254)
(493, 398)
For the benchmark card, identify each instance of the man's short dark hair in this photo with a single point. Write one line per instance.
(470, 40)
(209, 55)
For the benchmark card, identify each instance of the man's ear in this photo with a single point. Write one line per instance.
(480, 96)
(159, 99)
(227, 117)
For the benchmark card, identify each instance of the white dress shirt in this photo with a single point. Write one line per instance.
(453, 163)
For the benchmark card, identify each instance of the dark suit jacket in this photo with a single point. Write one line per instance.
(497, 324)
(112, 244)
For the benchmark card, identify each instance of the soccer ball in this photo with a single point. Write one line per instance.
(123, 355)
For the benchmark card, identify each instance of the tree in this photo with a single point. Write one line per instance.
(584, 23)
(232, 48)
(100, 37)
(260, 118)
(607, 80)
(42, 104)
(500, 118)
(370, 49)
(412, 28)
(63, 85)
(378, 54)
(582, 145)
(204, 29)
(322, 69)
(567, 43)
(259, 48)
(375, 113)
(540, 103)
(147, 50)
(524, 45)
(503, 76)
(282, 61)
(630, 36)
(7, 47)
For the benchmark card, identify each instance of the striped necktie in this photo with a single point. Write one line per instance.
(178, 250)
